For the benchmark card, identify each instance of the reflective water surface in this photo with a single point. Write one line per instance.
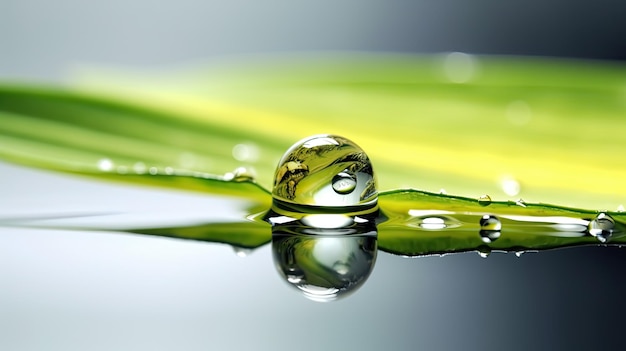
(91, 289)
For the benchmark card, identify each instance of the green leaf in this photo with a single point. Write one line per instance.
(553, 128)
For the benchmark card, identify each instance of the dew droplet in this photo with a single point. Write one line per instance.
(105, 165)
(242, 251)
(344, 183)
(443, 191)
(325, 171)
(241, 174)
(519, 253)
(602, 227)
(483, 251)
(490, 227)
(484, 200)
(520, 202)
(490, 222)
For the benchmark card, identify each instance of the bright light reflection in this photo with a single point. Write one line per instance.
(433, 223)
(105, 165)
(327, 221)
(548, 219)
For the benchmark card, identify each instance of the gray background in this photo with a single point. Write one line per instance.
(70, 290)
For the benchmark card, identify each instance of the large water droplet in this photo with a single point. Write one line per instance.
(602, 227)
(325, 171)
(344, 183)
(490, 227)
(484, 200)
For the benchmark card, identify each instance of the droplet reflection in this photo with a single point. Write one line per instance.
(602, 227)
(324, 263)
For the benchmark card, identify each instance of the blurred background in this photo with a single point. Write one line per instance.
(44, 40)
(69, 290)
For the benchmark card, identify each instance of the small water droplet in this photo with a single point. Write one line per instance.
(325, 171)
(490, 222)
(443, 191)
(344, 182)
(169, 170)
(105, 165)
(519, 253)
(602, 227)
(242, 251)
(484, 200)
(483, 251)
(241, 174)
(520, 202)
(153, 171)
(490, 227)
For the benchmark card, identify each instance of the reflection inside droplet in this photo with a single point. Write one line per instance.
(327, 171)
(344, 182)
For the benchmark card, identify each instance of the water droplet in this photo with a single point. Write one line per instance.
(519, 253)
(153, 171)
(344, 183)
(620, 208)
(484, 200)
(483, 251)
(602, 227)
(520, 202)
(510, 186)
(169, 170)
(242, 251)
(443, 191)
(490, 222)
(459, 67)
(490, 227)
(325, 171)
(241, 174)
(105, 165)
